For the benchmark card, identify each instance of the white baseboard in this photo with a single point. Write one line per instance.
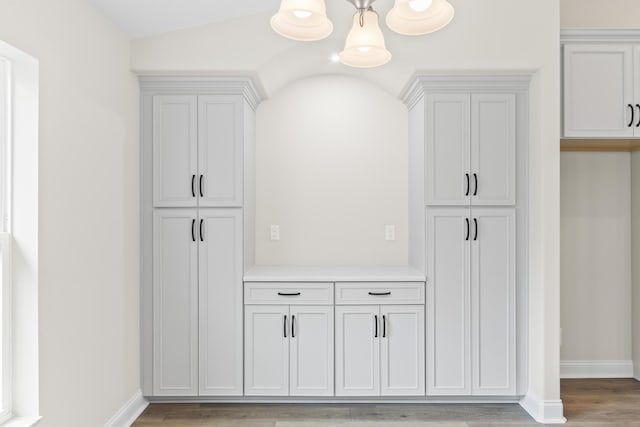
(596, 369)
(543, 411)
(129, 412)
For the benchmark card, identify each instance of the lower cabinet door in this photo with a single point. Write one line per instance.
(358, 350)
(449, 235)
(220, 284)
(493, 299)
(402, 350)
(175, 303)
(266, 356)
(311, 351)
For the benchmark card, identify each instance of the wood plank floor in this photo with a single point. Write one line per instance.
(586, 403)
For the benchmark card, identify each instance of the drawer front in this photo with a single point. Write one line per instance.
(380, 293)
(288, 293)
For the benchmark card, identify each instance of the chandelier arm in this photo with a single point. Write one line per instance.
(361, 4)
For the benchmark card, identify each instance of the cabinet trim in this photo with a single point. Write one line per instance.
(599, 35)
(516, 81)
(252, 92)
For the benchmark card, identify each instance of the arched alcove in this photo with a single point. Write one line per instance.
(332, 165)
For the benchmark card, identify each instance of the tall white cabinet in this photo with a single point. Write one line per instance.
(197, 137)
(471, 133)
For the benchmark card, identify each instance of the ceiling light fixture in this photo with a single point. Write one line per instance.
(306, 20)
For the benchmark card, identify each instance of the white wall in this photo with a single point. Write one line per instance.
(596, 261)
(485, 35)
(635, 257)
(88, 208)
(332, 173)
(599, 14)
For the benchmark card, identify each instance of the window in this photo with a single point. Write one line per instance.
(5, 245)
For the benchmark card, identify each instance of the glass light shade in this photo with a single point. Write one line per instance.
(304, 20)
(365, 46)
(409, 17)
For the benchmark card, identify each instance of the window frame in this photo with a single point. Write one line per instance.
(6, 351)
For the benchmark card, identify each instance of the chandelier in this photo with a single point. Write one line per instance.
(306, 20)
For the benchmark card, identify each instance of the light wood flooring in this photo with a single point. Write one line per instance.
(586, 403)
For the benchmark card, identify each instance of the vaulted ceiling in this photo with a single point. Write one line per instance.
(141, 18)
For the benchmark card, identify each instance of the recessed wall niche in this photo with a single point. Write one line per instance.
(331, 171)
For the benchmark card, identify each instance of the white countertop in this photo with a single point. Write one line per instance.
(334, 274)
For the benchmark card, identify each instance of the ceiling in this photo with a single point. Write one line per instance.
(141, 18)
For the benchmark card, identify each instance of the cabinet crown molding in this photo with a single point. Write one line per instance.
(494, 83)
(599, 35)
(204, 85)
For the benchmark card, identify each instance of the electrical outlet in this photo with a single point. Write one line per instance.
(390, 232)
(275, 232)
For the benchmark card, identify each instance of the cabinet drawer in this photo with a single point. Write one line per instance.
(288, 293)
(380, 293)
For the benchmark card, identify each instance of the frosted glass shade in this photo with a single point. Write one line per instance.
(365, 46)
(411, 18)
(304, 20)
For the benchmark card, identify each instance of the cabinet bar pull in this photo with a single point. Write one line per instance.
(201, 193)
(475, 178)
(380, 294)
(633, 112)
(468, 184)
(193, 185)
(293, 326)
(475, 223)
(375, 322)
(638, 107)
(285, 326)
(292, 294)
(201, 235)
(193, 229)
(468, 229)
(384, 326)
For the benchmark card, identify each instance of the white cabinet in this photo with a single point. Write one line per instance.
(220, 301)
(380, 348)
(599, 96)
(197, 150)
(175, 303)
(357, 351)
(288, 348)
(471, 301)
(266, 350)
(448, 302)
(197, 287)
(175, 150)
(470, 149)
(311, 351)
(402, 350)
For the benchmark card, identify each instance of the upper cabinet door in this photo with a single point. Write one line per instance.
(219, 232)
(598, 91)
(358, 332)
(402, 350)
(447, 149)
(636, 85)
(266, 355)
(175, 150)
(311, 357)
(175, 303)
(493, 149)
(220, 136)
(493, 296)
